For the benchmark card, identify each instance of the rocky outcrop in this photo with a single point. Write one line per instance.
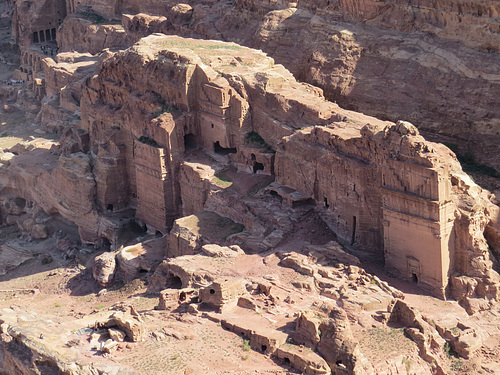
(104, 268)
(139, 127)
(140, 258)
(190, 233)
(422, 333)
(128, 321)
(82, 35)
(181, 272)
(32, 344)
(331, 336)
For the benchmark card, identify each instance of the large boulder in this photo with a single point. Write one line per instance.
(104, 268)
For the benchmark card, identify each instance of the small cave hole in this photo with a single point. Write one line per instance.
(174, 282)
(105, 243)
(354, 224)
(142, 270)
(276, 195)
(212, 126)
(158, 234)
(20, 202)
(212, 291)
(218, 149)
(302, 203)
(414, 278)
(257, 167)
(110, 207)
(287, 360)
(253, 157)
(264, 348)
(326, 203)
(182, 296)
(189, 141)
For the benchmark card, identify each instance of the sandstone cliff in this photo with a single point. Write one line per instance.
(418, 62)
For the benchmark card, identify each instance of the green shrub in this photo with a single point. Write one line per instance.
(246, 345)
(253, 139)
(148, 141)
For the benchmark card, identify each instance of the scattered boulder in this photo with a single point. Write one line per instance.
(213, 250)
(128, 321)
(300, 263)
(109, 346)
(116, 334)
(142, 257)
(39, 231)
(104, 268)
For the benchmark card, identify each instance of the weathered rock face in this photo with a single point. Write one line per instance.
(65, 186)
(379, 58)
(32, 344)
(83, 35)
(376, 57)
(387, 74)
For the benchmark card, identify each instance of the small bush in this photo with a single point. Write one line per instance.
(148, 141)
(92, 17)
(246, 345)
(452, 146)
(449, 350)
(467, 158)
(407, 364)
(253, 139)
